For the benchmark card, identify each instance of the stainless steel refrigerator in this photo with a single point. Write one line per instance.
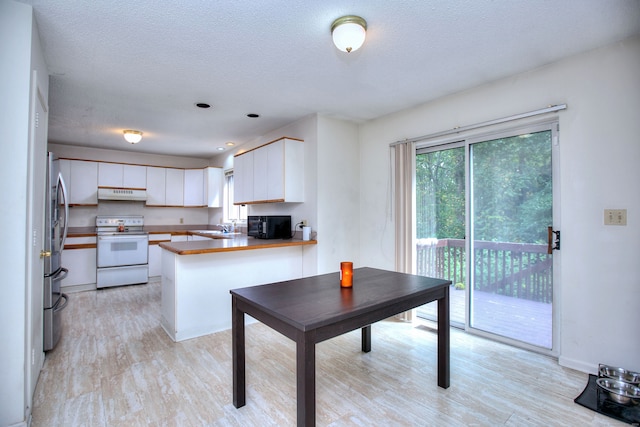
(56, 225)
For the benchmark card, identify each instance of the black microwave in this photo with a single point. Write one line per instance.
(269, 226)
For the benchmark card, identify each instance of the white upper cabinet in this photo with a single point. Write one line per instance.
(178, 187)
(243, 178)
(109, 175)
(276, 171)
(271, 173)
(215, 187)
(122, 176)
(194, 187)
(134, 176)
(156, 186)
(174, 190)
(260, 172)
(81, 179)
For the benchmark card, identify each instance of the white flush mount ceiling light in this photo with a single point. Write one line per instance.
(132, 136)
(349, 32)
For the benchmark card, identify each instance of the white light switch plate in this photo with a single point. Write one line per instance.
(615, 217)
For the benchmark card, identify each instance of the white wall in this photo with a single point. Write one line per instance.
(338, 194)
(16, 26)
(599, 155)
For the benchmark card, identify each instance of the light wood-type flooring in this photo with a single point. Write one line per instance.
(115, 366)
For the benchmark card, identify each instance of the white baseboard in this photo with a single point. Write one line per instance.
(78, 288)
(578, 365)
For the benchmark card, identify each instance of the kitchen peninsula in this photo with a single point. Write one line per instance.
(197, 277)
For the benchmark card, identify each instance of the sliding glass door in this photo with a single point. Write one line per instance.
(440, 223)
(511, 207)
(483, 208)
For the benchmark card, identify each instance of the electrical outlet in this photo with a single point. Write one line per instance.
(181, 220)
(303, 223)
(615, 217)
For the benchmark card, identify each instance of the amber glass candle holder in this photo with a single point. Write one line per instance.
(346, 274)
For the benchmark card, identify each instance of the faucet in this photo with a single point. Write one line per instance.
(224, 227)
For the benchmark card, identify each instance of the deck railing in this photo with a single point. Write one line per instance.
(512, 269)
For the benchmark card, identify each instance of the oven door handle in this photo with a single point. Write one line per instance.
(132, 237)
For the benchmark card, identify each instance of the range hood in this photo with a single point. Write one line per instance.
(126, 194)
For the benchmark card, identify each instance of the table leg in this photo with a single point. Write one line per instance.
(306, 378)
(443, 340)
(237, 333)
(366, 339)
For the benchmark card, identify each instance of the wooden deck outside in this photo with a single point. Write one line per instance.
(510, 317)
(513, 286)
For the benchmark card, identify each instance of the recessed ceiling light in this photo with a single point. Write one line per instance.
(230, 144)
(253, 115)
(220, 148)
(202, 105)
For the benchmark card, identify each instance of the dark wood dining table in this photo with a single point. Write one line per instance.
(314, 309)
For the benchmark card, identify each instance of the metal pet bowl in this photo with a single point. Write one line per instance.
(619, 374)
(619, 391)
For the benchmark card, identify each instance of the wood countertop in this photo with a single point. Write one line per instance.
(239, 243)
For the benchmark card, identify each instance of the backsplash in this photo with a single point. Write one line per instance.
(80, 216)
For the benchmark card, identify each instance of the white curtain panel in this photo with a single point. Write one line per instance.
(404, 159)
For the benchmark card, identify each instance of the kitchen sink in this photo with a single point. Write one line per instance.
(214, 232)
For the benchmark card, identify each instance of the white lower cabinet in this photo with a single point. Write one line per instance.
(155, 253)
(155, 261)
(80, 262)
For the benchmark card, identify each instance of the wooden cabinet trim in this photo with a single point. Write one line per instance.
(268, 143)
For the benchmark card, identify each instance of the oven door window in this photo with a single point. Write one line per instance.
(120, 251)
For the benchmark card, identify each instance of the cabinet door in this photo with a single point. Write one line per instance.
(194, 187)
(215, 187)
(134, 176)
(81, 264)
(260, 167)
(155, 265)
(243, 178)
(84, 181)
(275, 171)
(174, 192)
(110, 175)
(156, 186)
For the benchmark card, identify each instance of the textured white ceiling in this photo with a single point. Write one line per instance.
(143, 64)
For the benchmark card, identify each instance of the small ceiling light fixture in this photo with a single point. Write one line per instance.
(230, 144)
(253, 115)
(132, 136)
(203, 105)
(349, 32)
(220, 148)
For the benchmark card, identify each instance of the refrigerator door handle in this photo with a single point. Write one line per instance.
(62, 274)
(60, 307)
(66, 210)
